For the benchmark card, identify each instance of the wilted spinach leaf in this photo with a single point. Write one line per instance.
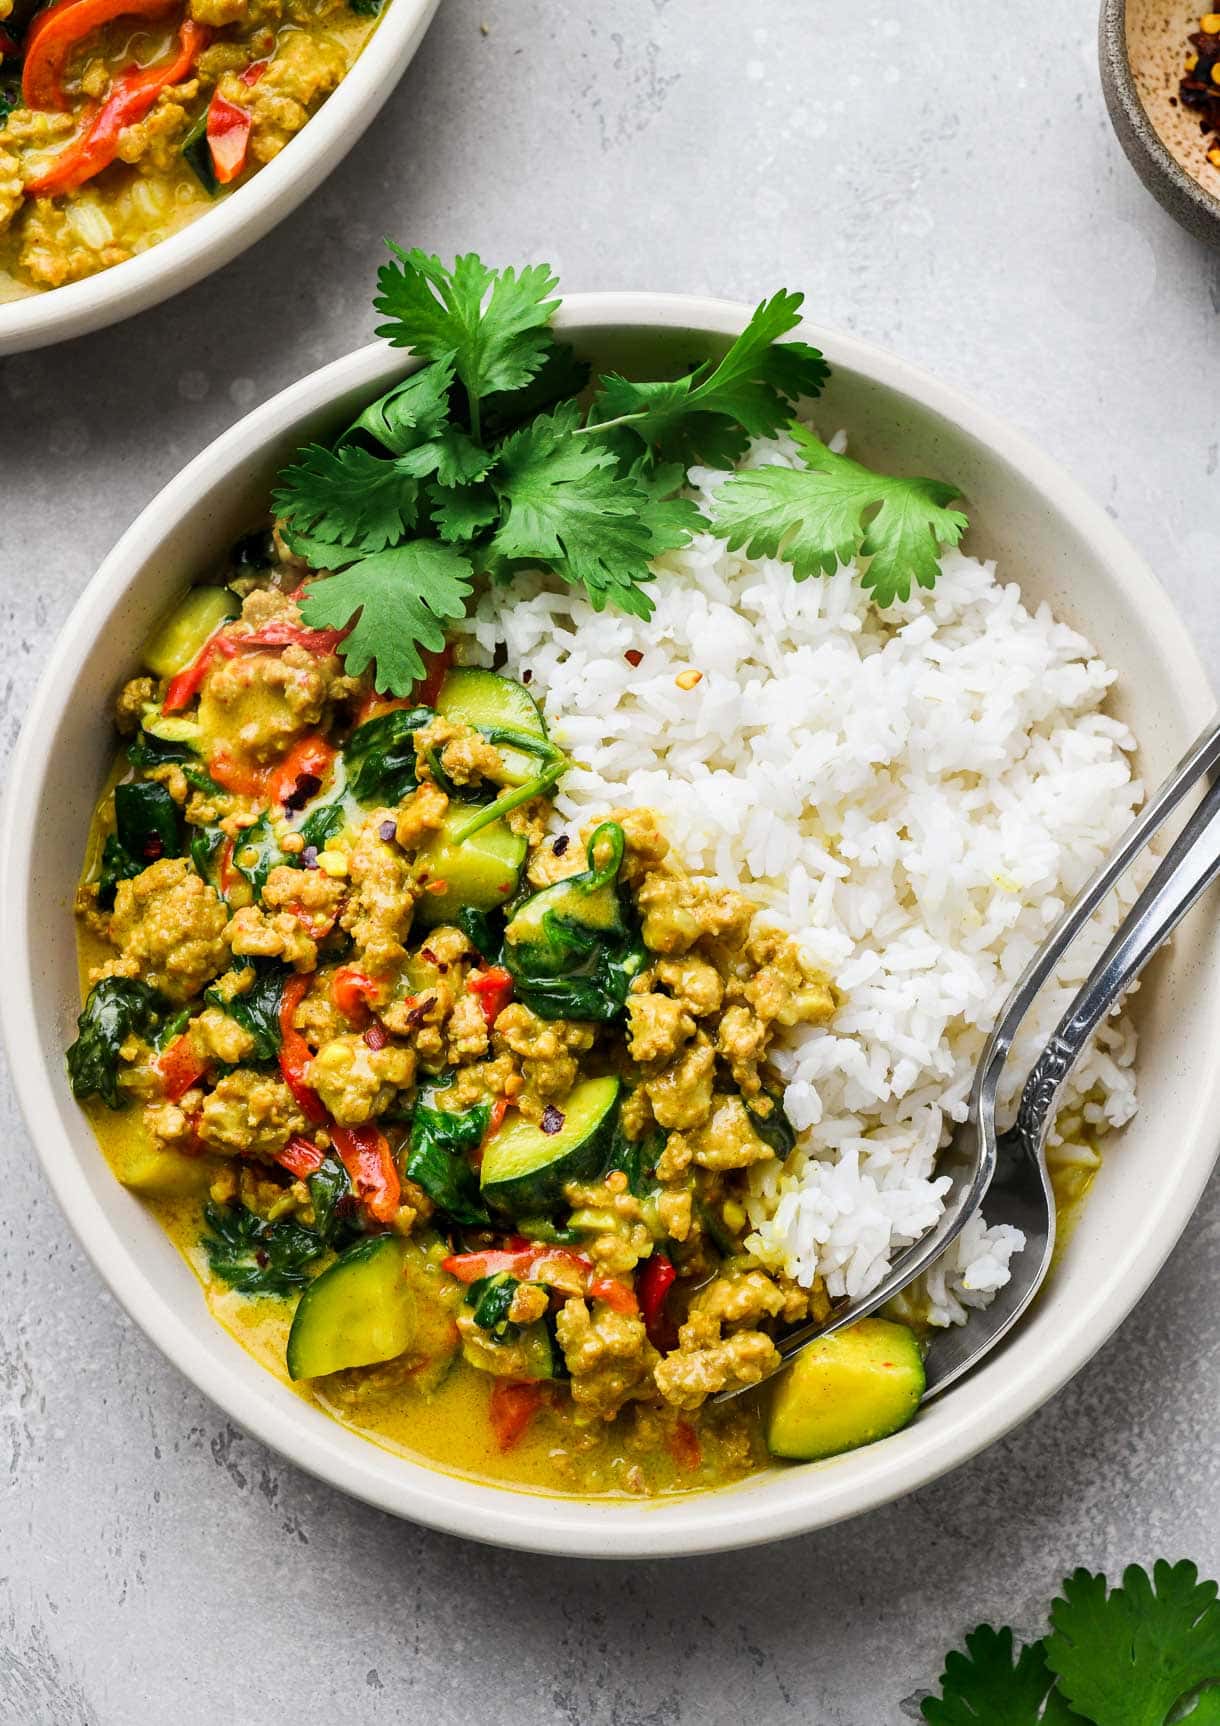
(438, 1160)
(380, 755)
(257, 852)
(258, 1009)
(117, 1008)
(146, 821)
(257, 1257)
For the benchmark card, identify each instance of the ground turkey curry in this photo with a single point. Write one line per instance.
(121, 120)
(451, 1110)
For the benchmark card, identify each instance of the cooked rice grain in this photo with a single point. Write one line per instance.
(915, 793)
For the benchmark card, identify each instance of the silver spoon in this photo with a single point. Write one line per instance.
(1009, 1169)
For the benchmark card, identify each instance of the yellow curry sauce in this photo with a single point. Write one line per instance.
(452, 1114)
(572, 1313)
(126, 119)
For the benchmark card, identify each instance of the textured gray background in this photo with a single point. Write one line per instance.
(937, 176)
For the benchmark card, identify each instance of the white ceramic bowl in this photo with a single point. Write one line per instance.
(237, 220)
(1048, 535)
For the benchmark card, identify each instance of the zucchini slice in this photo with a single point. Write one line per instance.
(362, 1310)
(490, 702)
(525, 1168)
(481, 873)
(503, 711)
(178, 638)
(849, 1389)
(535, 931)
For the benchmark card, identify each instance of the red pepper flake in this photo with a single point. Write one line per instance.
(633, 656)
(560, 845)
(428, 954)
(552, 1120)
(387, 830)
(527, 677)
(511, 1407)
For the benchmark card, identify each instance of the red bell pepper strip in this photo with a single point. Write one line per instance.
(365, 1154)
(496, 1119)
(301, 1157)
(295, 1053)
(529, 1263)
(226, 874)
(228, 134)
(683, 1445)
(353, 992)
(653, 1285)
(428, 687)
(511, 1409)
(233, 774)
(493, 989)
(310, 755)
(131, 96)
(253, 73)
(180, 1066)
(615, 1294)
(57, 31)
(284, 634)
(183, 689)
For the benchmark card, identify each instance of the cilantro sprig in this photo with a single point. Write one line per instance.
(1146, 1653)
(494, 457)
(817, 517)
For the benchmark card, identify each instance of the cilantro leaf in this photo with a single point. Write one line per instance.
(491, 324)
(453, 457)
(566, 506)
(814, 518)
(410, 414)
(985, 1686)
(1126, 1658)
(399, 599)
(462, 512)
(709, 414)
(348, 496)
(560, 376)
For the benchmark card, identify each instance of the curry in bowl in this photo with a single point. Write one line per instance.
(122, 120)
(534, 949)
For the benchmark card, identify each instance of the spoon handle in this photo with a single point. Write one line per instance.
(1190, 865)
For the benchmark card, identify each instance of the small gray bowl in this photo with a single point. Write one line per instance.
(1143, 46)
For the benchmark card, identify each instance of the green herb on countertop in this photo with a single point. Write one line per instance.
(1143, 1654)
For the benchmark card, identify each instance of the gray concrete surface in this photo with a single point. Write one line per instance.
(939, 178)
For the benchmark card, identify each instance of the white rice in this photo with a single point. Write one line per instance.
(915, 794)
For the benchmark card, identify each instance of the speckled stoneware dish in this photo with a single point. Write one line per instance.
(1143, 47)
(1046, 534)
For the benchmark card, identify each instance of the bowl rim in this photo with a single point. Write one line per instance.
(219, 234)
(981, 1410)
(1140, 130)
